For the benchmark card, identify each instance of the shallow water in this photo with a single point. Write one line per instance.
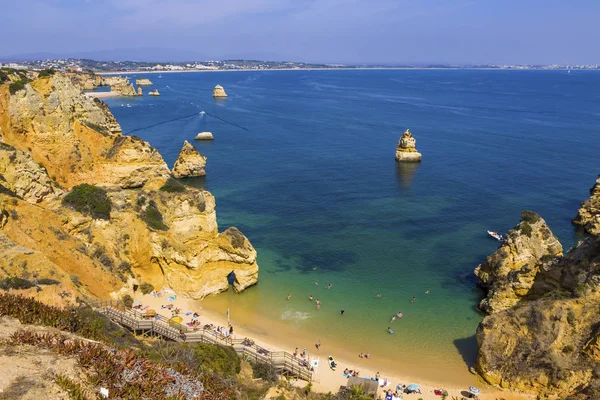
(314, 185)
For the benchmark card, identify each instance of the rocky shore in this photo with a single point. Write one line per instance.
(541, 335)
(57, 142)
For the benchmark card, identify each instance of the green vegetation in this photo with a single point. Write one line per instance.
(264, 371)
(571, 317)
(16, 86)
(173, 186)
(16, 283)
(127, 300)
(47, 281)
(568, 349)
(73, 389)
(46, 72)
(146, 288)
(90, 200)
(526, 229)
(530, 216)
(237, 238)
(75, 279)
(153, 218)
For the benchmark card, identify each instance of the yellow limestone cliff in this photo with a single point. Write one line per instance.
(159, 231)
(406, 150)
(588, 215)
(189, 162)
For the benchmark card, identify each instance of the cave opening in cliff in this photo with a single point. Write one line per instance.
(231, 279)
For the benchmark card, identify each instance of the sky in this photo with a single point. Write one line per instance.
(343, 31)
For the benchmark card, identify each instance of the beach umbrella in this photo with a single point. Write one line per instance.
(177, 320)
(413, 387)
(474, 390)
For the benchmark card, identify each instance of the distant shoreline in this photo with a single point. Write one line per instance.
(327, 69)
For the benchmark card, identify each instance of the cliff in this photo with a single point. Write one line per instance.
(154, 229)
(406, 150)
(542, 336)
(189, 162)
(588, 215)
(509, 273)
(218, 91)
(143, 82)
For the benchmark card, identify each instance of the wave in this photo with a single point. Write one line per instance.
(292, 315)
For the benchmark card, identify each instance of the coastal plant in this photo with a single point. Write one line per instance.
(74, 390)
(264, 371)
(173, 186)
(14, 215)
(146, 288)
(16, 86)
(47, 281)
(127, 300)
(89, 200)
(237, 238)
(153, 218)
(525, 228)
(16, 283)
(46, 72)
(75, 279)
(530, 216)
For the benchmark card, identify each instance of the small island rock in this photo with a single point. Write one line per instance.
(154, 93)
(189, 162)
(204, 136)
(139, 91)
(406, 150)
(219, 91)
(143, 82)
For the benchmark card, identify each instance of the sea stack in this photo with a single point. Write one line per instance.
(154, 93)
(588, 215)
(139, 91)
(189, 162)
(219, 91)
(406, 150)
(143, 82)
(204, 136)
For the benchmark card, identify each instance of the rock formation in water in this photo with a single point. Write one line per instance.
(204, 136)
(139, 91)
(543, 332)
(406, 150)
(189, 162)
(588, 215)
(154, 93)
(509, 273)
(157, 230)
(218, 91)
(143, 82)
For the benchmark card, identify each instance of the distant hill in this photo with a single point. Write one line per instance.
(150, 54)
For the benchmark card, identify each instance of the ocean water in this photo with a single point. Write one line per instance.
(313, 183)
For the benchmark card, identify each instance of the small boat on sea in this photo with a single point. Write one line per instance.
(332, 363)
(495, 235)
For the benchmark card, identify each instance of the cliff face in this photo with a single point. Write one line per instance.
(548, 341)
(75, 137)
(509, 273)
(143, 82)
(588, 215)
(55, 138)
(189, 162)
(218, 91)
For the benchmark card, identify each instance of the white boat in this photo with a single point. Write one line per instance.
(495, 235)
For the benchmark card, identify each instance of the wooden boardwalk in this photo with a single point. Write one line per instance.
(284, 362)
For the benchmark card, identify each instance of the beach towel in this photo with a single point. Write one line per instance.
(172, 298)
(383, 382)
(346, 375)
(189, 313)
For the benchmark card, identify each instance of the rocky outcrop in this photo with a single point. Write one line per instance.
(21, 175)
(218, 91)
(509, 274)
(154, 93)
(406, 150)
(588, 215)
(115, 81)
(139, 91)
(189, 162)
(204, 136)
(549, 345)
(143, 82)
(159, 231)
(75, 137)
(124, 90)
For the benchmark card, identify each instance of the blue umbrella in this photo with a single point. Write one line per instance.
(474, 390)
(413, 387)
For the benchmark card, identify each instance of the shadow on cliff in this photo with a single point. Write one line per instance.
(467, 348)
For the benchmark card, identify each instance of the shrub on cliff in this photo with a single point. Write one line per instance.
(530, 216)
(146, 288)
(173, 186)
(16, 86)
(153, 218)
(90, 200)
(46, 72)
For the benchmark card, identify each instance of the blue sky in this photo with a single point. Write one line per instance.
(392, 31)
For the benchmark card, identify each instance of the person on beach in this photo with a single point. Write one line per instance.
(342, 311)
(318, 302)
(310, 297)
(296, 353)
(304, 352)
(289, 296)
(329, 286)
(367, 356)
(230, 329)
(360, 355)
(318, 344)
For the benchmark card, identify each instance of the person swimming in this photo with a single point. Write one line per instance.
(393, 318)
(427, 291)
(413, 299)
(399, 314)
(310, 297)
(289, 296)
(316, 283)
(329, 286)
(378, 296)
(342, 311)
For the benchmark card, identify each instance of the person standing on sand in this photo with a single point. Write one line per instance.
(318, 344)
(296, 353)
(360, 355)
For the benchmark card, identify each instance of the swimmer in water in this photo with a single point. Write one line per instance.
(342, 311)
(310, 297)
(329, 286)
(378, 296)
(427, 291)
(413, 299)
(289, 296)
(393, 318)
(316, 283)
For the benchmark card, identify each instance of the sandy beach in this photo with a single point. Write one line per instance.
(324, 379)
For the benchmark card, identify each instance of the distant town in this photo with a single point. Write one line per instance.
(81, 65)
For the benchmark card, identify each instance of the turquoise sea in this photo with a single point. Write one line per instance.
(313, 184)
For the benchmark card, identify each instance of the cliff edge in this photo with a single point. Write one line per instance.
(588, 215)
